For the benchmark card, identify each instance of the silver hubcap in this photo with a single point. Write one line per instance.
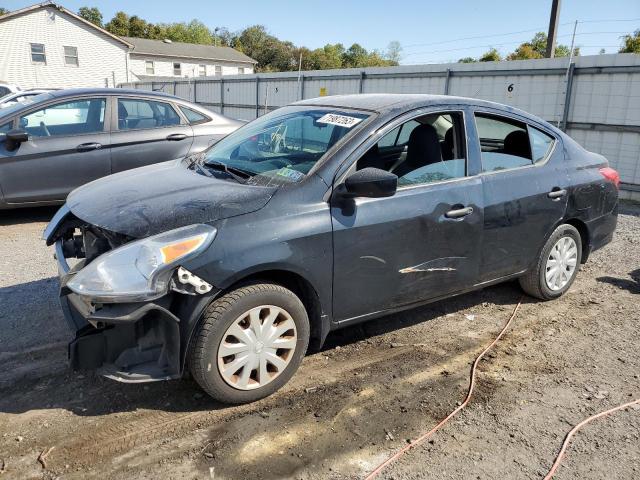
(257, 347)
(561, 264)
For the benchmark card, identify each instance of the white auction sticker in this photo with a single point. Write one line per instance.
(340, 120)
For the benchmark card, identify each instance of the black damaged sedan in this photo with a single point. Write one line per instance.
(232, 263)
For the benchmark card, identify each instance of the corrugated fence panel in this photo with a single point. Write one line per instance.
(622, 149)
(185, 90)
(433, 85)
(612, 98)
(318, 87)
(276, 92)
(208, 92)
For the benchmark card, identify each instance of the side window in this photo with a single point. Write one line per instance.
(5, 127)
(68, 118)
(405, 132)
(193, 116)
(541, 144)
(136, 114)
(4, 91)
(430, 149)
(504, 143)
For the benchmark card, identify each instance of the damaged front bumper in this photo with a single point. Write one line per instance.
(127, 342)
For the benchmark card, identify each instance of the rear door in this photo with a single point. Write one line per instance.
(147, 131)
(525, 181)
(68, 146)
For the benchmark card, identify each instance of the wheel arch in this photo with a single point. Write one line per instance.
(304, 290)
(583, 230)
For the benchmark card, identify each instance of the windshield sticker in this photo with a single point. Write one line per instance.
(340, 120)
(292, 175)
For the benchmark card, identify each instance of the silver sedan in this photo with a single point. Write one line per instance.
(56, 141)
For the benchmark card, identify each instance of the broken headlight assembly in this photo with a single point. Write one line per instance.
(141, 270)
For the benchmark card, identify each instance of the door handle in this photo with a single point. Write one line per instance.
(556, 193)
(459, 213)
(176, 137)
(86, 147)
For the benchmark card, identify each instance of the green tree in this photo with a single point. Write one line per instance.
(631, 43)
(491, 56)
(119, 25)
(91, 14)
(355, 56)
(3, 11)
(537, 48)
(327, 57)
(394, 52)
(138, 27)
(467, 60)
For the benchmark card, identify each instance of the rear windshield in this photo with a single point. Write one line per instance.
(283, 146)
(15, 107)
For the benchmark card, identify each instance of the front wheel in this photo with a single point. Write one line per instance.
(250, 343)
(557, 265)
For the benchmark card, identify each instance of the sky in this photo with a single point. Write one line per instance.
(429, 31)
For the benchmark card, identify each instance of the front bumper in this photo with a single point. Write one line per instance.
(128, 342)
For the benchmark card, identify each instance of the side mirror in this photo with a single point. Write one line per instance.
(370, 182)
(14, 138)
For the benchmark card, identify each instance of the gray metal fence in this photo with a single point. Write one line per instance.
(596, 99)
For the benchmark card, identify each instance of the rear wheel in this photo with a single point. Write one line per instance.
(250, 343)
(557, 265)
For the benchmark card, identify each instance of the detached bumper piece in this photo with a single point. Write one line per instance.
(125, 342)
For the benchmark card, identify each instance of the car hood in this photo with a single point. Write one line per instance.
(153, 199)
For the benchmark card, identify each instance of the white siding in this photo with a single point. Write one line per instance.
(100, 57)
(163, 66)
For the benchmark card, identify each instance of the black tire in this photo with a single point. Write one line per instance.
(219, 316)
(534, 282)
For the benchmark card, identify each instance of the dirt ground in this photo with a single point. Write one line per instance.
(372, 388)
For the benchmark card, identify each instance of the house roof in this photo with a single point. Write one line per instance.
(144, 46)
(60, 8)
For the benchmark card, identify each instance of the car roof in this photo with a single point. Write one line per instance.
(386, 102)
(109, 91)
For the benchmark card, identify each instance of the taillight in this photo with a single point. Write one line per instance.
(611, 175)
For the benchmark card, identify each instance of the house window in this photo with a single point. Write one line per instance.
(202, 71)
(240, 71)
(177, 69)
(71, 56)
(149, 67)
(37, 53)
(218, 70)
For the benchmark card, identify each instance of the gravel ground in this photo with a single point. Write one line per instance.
(372, 388)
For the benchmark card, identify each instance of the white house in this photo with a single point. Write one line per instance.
(46, 45)
(158, 58)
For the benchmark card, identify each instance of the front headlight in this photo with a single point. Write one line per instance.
(141, 270)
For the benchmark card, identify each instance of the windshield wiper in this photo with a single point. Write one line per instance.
(239, 175)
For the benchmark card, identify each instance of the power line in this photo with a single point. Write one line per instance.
(477, 37)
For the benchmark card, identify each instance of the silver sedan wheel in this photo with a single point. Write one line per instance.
(257, 347)
(561, 264)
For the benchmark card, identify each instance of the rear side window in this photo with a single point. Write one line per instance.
(5, 127)
(194, 117)
(137, 114)
(504, 143)
(541, 144)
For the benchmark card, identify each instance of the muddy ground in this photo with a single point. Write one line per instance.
(371, 389)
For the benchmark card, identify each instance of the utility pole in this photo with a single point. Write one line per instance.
(553, 28)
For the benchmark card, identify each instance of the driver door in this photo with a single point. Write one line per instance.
(68, 146)
(421, 243)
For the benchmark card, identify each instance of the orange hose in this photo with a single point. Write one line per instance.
(472, 382)
(565, 444)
